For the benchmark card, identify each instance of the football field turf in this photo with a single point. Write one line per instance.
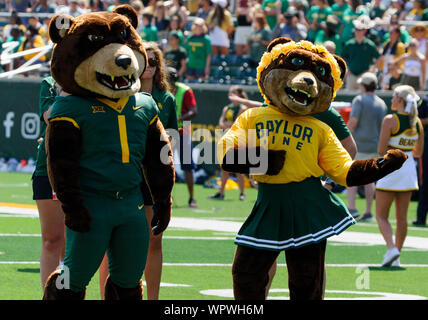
(198, 251)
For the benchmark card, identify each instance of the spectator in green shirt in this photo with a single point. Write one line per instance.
(149, 32)
(16, 35)
(317, 14)
(329, 33)
(175, 27)
(360, 52)
(349, 16)
(258, 40)
(338, 9)
(376, 9)
(405, 35)
(271, 9)
(198, 47)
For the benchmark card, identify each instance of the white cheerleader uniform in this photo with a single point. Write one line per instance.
(404, 179)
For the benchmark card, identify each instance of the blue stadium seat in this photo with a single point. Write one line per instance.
(232, 60)
(215, 60)
(235, 72)
(218, 72)
(242, 60)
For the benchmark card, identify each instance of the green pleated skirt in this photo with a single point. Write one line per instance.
(292, 215)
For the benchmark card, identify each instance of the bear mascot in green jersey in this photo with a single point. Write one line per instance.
(103, 138)
(287, 151)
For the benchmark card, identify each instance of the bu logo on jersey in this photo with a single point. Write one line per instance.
(97, 109)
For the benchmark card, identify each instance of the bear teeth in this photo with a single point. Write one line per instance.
(301, 91)
(298, 96)
(116, 82)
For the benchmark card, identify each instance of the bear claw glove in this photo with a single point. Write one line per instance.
(364, 172)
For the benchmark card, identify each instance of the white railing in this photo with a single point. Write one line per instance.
(7, 57)
(28, 14)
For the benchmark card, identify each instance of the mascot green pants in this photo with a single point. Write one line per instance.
(120, 228)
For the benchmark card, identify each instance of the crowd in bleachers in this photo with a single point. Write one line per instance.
(221, 41)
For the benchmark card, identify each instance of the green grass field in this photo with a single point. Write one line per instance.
(198, 252)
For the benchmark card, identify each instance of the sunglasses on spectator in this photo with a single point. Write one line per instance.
(152, 62)
(419, 29)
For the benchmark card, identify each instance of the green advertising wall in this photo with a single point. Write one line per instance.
(20, 123)
(19, 118)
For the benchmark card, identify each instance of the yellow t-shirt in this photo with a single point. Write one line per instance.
(225, 25)
(312, 148)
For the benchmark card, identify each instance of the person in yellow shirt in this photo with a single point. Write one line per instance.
(220, 25)
(32, 40)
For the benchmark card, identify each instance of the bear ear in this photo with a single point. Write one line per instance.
(277, 41)
(342, 66)
(129, 12)
(59, 26)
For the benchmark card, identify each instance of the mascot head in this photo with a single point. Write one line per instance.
(98, 54)
(299, 78)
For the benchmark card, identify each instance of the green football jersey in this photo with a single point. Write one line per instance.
(167, 109)
(114, 138)
(46, 99)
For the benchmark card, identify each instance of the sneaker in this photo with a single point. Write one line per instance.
(354, 213)
(242, 197)
(217, 196)
(367, 217)
(396, 263)
(390, 256)
(416, 223)
(192, 203)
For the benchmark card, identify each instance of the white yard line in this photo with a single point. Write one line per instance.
(357, 238)
(186, 264)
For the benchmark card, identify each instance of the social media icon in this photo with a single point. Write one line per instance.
(30, 125)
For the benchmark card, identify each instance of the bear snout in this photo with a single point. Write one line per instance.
(123, 61)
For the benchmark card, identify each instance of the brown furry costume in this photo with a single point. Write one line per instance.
(100, 56)
(297, 80)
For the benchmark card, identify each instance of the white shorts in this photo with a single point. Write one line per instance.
(401, 180)
(219, 37)
(241, 34)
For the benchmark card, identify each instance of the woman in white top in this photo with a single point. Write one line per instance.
(420, 32)
(400, 130)
(220, 25)
(414, 73)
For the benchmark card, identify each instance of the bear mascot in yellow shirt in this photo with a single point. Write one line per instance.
(287, 150)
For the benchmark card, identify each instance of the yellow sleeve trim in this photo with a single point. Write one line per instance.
(153, 120)
(66, 119)
(398, 126)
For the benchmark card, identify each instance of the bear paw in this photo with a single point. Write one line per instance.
(79, 220)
